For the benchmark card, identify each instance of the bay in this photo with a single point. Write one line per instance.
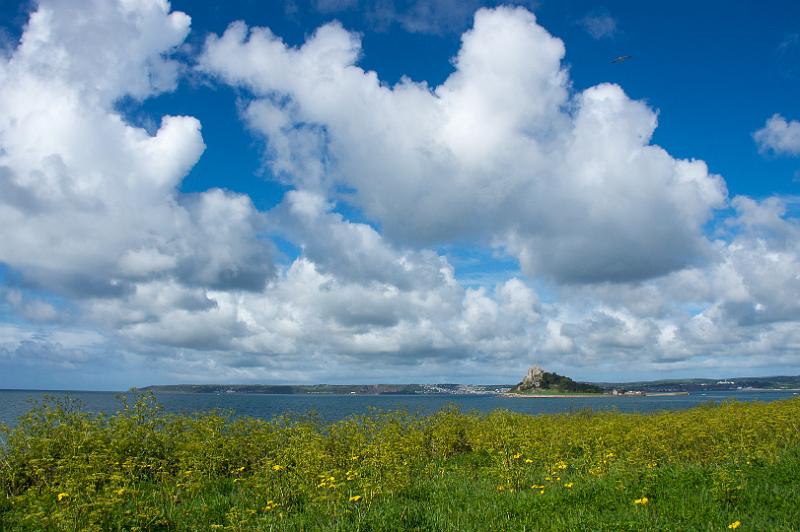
(14, 403)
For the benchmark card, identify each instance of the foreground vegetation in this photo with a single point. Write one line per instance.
(708, 468)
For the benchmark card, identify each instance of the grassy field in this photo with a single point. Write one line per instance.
(708, 468)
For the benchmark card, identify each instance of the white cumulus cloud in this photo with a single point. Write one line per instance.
(501, 152)
(779, 136)
(88, 202)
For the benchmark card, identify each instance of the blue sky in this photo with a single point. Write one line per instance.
(397, 191)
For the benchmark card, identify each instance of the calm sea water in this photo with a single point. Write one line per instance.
(14, 403)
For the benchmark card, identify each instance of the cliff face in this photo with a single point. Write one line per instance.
(538, 379)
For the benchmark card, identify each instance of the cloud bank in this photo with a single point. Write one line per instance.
(112, 266)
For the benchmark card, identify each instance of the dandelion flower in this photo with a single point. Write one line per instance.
(62, 495)
(735, 524)
(277, 467)
(643, 501)
(355, 498)
(517, 456)
(569, 485)
(528, 461)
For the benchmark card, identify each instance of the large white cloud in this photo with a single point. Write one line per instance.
(500, 151)
(88, 202)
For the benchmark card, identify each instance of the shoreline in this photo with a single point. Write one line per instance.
(588, 395)
(555, 396)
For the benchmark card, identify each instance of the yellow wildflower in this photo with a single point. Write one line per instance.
(735, 524)
(528, 461)
(569, 485)
(355, 498)
(277, 467)
(271, 505)
(517, 456)
(541, 492)
(62, 495)
(643, 501)
(327, 482)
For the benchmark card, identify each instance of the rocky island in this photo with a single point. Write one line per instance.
(540, 383)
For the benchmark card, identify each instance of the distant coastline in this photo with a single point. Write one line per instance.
(335, 389)
(553, 395)
(588, 395)
(624, 389)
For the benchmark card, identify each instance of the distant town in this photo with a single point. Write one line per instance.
(337, 389)
(611, 388)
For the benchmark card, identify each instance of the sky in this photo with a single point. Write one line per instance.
(395, 191)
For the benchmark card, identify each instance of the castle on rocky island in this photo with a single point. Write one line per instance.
(537, 379)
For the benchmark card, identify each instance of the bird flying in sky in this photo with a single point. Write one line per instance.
(621, 58)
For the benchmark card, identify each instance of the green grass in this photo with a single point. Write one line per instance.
(141, 469)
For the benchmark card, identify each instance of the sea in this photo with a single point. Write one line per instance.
(14, 403)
